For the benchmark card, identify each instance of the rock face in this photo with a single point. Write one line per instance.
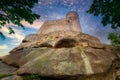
(7, 72)
(56, 40)
(65, 55)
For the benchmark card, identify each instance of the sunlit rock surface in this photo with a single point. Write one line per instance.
(65, 54)
(7, 72)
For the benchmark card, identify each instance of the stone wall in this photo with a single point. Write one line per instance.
(70, 23)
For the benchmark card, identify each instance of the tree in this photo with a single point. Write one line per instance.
(109, 10)
(14, 11)
(115, 39)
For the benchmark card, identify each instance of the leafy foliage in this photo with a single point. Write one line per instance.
(11, 31)
(5, 75)
(2, 36)
(109, 10)
(115, 39)
(32, 77)
(14, 11)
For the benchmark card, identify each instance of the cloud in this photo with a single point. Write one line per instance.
(36, 24)
(19, 35)
(3, 46)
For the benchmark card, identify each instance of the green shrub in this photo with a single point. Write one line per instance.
(32, 77)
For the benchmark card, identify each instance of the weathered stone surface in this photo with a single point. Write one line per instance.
(6, 71)
(69, 62)
(14, 77)
(68, 27)
(53, 40)
(56, 38)
(29, 40)
(65, 54)
(14, 57)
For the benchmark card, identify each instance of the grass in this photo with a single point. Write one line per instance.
(32, 77)
(5, 75)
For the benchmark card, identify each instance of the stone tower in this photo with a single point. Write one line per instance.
(70, 23)
(72, 19)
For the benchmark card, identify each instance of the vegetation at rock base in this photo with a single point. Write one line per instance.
(14, 11)
(5, 75)
(109, 10)
(32, 77)
(115, 39)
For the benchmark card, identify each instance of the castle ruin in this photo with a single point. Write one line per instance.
(70, 23)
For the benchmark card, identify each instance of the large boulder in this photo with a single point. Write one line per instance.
(68, 62)
(6, 69)
(6, 72)
(65, 55)
(17, 53)
(51, 40)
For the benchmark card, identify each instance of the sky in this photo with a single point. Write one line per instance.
(56, 9)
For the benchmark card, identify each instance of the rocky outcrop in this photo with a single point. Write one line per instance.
(65, 55)
(7, 72)
(53, 40)
(5, 69)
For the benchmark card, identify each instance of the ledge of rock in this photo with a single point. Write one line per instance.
(59, 39)
(60, 55)
(65, 55)
(7, 72)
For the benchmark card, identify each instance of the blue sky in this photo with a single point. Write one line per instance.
(56, 9)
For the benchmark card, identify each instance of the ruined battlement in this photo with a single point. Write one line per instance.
(70, 23)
